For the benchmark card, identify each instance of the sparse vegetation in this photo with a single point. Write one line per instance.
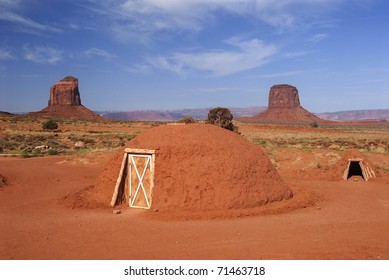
(50, 125)
(24, 136)
(368, 139)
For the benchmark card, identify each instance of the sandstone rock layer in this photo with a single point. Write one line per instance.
(283, 96)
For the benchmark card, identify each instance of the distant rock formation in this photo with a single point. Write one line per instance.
(5, 114)
(379, 115)
(65, 101)
(283, 96)
(284, 108)
(65, 92)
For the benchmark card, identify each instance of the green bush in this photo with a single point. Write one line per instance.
(26, 154)
(222, 117)
(187, 120)
(50, 125)
(53, 152)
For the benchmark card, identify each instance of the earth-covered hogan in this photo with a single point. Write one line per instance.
(197, 167)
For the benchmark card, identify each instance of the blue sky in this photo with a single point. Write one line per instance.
(175, 54)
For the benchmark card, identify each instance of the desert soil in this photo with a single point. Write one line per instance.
(348, 219)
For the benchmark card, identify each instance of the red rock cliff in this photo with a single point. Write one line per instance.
(65, 101)
(284, 108)
(65, 92)
(283, 96)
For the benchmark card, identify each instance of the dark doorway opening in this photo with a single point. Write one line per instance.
(355, 169)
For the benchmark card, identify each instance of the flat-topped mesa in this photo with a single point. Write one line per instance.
(65, 92)
(283, 96)
(65, 102)
(284, 108)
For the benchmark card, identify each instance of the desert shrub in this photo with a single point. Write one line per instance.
(88, 141)
(314, 125)
(222, 117)
(27, 154)
(50, 125)
(53, 152)
(187, 120)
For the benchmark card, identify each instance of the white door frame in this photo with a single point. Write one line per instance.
(140, 176)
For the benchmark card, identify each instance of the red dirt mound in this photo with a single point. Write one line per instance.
(336, 173)
(200, 167)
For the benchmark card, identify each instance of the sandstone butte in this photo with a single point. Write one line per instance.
(65, 101)
(284, 108)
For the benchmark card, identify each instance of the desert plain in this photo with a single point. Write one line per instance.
(327, 217)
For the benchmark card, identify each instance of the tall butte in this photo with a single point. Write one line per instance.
(284, 108)
(65, 101)
(65, 92)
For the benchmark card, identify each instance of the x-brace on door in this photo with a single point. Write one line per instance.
(141, 180)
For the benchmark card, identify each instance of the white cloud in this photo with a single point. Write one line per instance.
(281, 74)
(147, 17)
(74, 26)
(26, 24)
(247, 55)
(295, 54)
(44, 55)
(318, 37)
(139, 69)
(6, 54)
(98, 52)
(9, 3)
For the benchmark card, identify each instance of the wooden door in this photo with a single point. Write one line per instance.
(141, 180)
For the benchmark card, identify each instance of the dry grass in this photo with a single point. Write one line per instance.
(366, 139)
(21, 136)
(25, 136)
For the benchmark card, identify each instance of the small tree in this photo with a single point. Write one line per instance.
(187, 120)
(50, 125)
(222, 117)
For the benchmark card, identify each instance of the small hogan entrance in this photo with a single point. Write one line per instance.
(135, 182)
(357, 167)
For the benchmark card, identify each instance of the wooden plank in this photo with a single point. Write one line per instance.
(345, 173)
(152, 167)
(119, 180)
(364, 174)
(140, 151)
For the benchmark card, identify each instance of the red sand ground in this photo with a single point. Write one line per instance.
(349, 220)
